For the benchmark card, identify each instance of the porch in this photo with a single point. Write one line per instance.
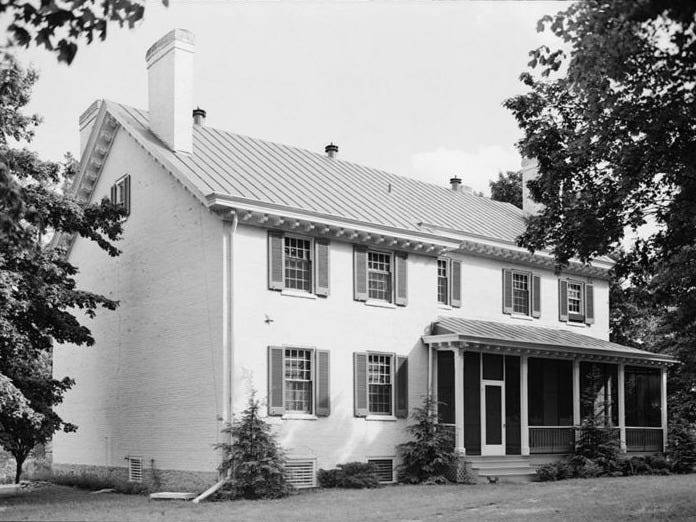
(521, 390)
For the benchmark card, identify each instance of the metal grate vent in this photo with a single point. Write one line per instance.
(384, 468)
(135, 469)
(301, 473)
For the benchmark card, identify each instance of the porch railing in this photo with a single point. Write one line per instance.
(644, 439)
(551, 439)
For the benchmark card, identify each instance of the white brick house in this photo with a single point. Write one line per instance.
(342, 294)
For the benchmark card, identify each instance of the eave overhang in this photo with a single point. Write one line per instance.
(451, 341)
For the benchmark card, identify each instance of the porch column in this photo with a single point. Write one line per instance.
(663, 406)
(576, 392)
(622, 408)
(459, 400)
(524, 405)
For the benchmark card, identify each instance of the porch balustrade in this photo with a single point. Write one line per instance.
(644, 439)
(551, 439)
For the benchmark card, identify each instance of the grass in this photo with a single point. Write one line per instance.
(647, 498)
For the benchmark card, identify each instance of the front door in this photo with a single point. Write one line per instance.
(492, 417)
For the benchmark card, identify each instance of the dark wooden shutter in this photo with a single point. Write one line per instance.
(323, 387)
(359, 273)
(321, 263)
(401, 266)
(127, 194)
(456, 278)
(275, 380)
(401, 409)
(360, 384)
(563, 300)
(507, 291)
(112, 196)
(536, 296)
(589, 304)
(275, 260)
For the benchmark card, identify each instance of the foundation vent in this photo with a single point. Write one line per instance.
(301, 473)
(384, 469)
(135, 469)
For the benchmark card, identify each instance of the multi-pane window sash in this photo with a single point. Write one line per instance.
(298, 263)
(520, 293)
(379, 276)
(442, 281)
(379, 380)
(575, 298)
(298, 380)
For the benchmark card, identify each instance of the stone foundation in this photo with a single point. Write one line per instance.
(117, 477)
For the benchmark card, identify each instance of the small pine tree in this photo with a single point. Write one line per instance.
(254, 462)
(431, 454)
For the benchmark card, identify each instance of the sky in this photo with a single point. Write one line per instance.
(413, 88)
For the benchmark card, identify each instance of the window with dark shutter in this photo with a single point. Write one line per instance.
(401, 409)
(456, 276)
(120, 193)
(359, 273)
(589, 304)
(507, 291)
(562, 300)
(322, 267)
(275, 380)
(360, 384)
(401, 294)
(275, 260)
(323, 385)
(536, 296)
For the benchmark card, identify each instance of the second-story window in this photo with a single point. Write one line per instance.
(442, 281)
(575, 306)
(379, 276)
(120, 193)
(298, 263)
(520, 293)
(575, 301)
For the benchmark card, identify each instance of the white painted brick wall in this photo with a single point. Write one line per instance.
(151, 385)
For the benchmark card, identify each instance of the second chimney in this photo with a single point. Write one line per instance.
(198, 116)
(456, 183)
(170, 89)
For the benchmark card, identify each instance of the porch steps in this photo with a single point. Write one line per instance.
(502, 469)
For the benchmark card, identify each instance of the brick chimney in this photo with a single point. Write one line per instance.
(170, 89)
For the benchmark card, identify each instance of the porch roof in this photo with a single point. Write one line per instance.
(533, 340)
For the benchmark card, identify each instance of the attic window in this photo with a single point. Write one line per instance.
(135, 469)
(120, 193)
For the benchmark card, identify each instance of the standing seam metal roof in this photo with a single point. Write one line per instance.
(228, 164)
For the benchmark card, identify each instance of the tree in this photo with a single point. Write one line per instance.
(253, 462)
(611, 119)
(507, 188)
(38, 292)
(72, 19)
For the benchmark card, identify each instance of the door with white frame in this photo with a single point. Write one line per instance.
(492, 405)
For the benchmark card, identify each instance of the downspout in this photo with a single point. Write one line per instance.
(229, 230)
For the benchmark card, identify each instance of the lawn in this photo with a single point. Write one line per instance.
(671, 497)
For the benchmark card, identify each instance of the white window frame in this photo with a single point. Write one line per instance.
(313, 381)
(391, 275)
(120, 185)
(448, 277)
(576, 317)
(392, 382)
(528, 276)
(302, 291)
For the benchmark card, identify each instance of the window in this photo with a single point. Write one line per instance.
(380, 385)
(643, 396)
(298, 263)
(550, 396)
(442, 281)
(379, 380)
(576, 308)
(520, 293)
(120, 193)
(298, 380)
(379, 276)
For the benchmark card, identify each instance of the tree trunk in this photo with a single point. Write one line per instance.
(18, 471)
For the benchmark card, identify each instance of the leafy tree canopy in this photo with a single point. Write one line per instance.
(611, 118)
(39, 296)
(58, 25)
(507, 188)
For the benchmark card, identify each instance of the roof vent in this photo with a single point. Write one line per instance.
(331, 150)
(456, 183)
(198, 116)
